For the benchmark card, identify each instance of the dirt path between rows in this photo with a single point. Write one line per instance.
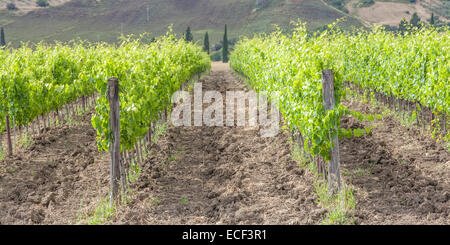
(400, 174)
(227, 175)
(55, 180)
(221, 175)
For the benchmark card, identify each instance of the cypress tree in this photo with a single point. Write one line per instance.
(188, 37)
(432, 19)
(2, 38)
(402, 26)
(206, 43)
(415, 20)
(225, 46)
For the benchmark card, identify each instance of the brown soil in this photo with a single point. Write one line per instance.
(228, 175)
(221, 175)
(401, 175)
(55, 178)
(391, 13)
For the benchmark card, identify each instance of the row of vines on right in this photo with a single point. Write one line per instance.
(410, 70)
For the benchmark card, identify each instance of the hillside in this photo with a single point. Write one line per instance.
(25, 6)
(391, 12)
(104, 20)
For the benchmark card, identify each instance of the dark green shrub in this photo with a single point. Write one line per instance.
(11, 6)
(42, 3)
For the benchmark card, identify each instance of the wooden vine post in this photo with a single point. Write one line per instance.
(113, 97)
(334, 175)
(8, 136)
(445, 123)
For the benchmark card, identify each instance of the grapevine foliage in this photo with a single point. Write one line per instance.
(413, 67)
(40, 79)
(148, 76)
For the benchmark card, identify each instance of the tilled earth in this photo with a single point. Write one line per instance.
(227, 175)
(401, 175)
(222, 175)
(54, 179)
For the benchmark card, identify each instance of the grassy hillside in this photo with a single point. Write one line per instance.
(105, 19)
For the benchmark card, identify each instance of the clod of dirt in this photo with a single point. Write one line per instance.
(55, 175)
(37, 215)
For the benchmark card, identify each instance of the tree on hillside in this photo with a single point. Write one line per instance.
(415, 20)
(2, 38)
(432, 19)
(188, 37)
(11, 6)
(225, 46)
(42, 3)
(402, 27)
(206, 43)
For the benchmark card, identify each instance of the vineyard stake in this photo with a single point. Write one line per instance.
(122, 173)
(334, 175)
(421, 112)
(60, 115)
(417, 114)
(113, 97)
(431, 122)
(32, 129)
(149, 134)
(72, 109)
(138, 154)
(38, 126)
(43, 122)
(67, 113)
(445, 123)
(14, 132)
(49, 120)
(142, 148)
(83, 102)
(127, 164)
(8, 136)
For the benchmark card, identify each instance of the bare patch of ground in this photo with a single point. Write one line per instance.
(400, 174)
(390, 13)
(221, 175)
(228, 175)
(54, 178)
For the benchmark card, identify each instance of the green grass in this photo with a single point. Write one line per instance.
(134, 172)
(356, 172)
(160, 129)
(339, 206)
(339, 4)
(102, 213)
(184, 200)
(2, 153)
(25, 141)
(154, 201)
(365, 3)
(407, 119)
